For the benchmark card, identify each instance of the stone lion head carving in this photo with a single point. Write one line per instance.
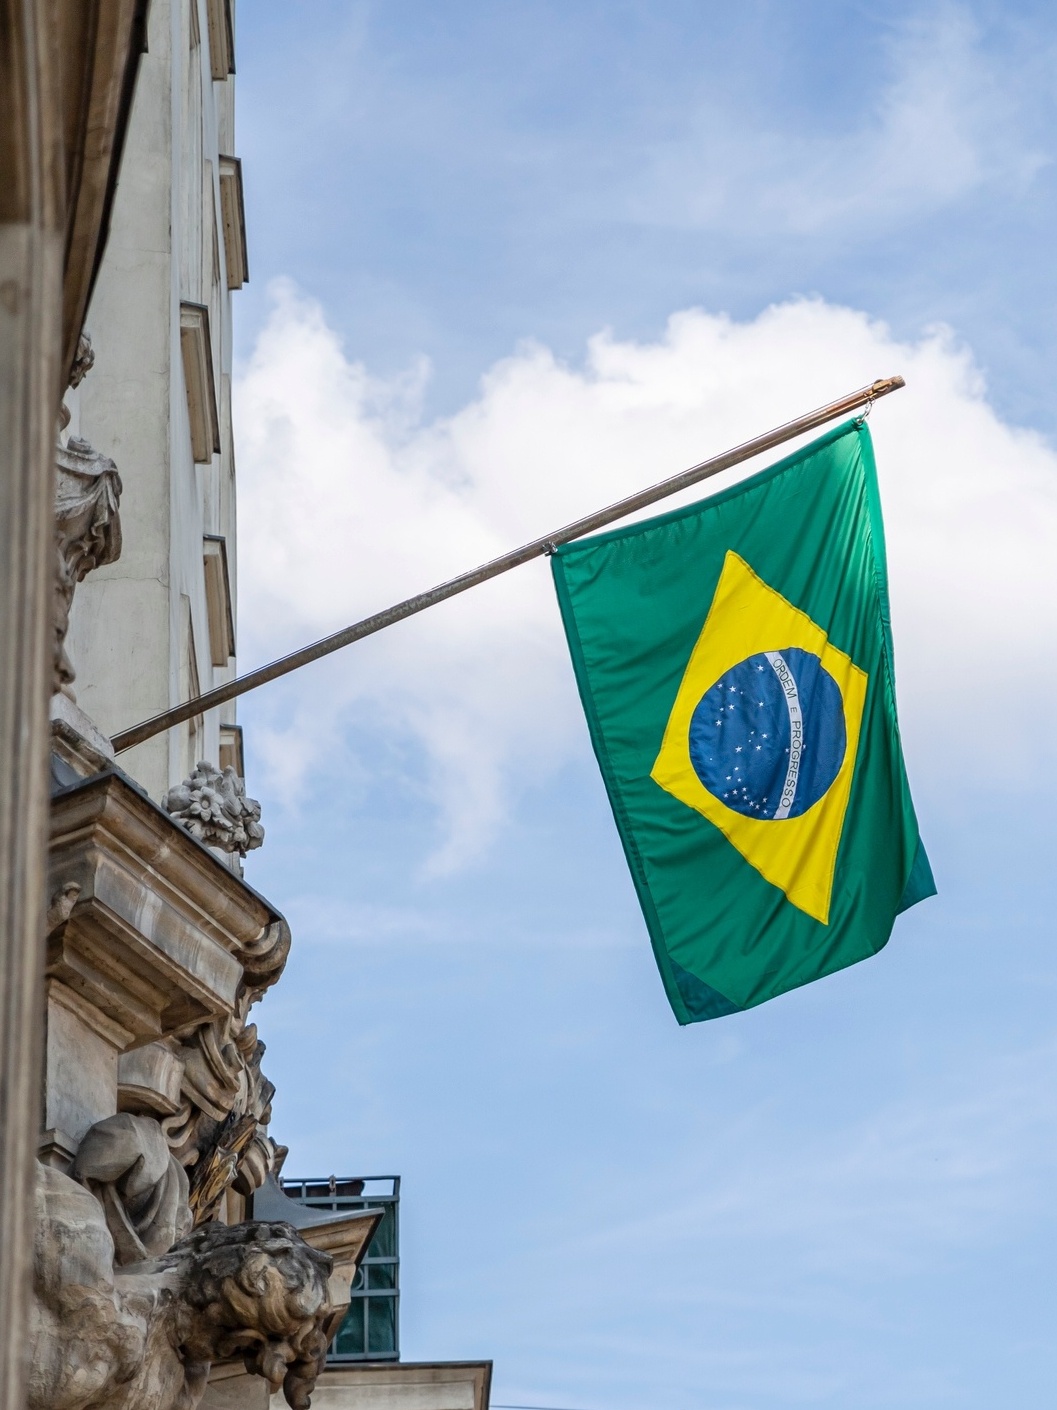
(256, 1290)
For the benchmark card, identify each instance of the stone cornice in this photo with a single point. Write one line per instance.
(158, 933)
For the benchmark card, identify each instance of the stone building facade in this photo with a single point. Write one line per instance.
(156, 626)
(153, 1284)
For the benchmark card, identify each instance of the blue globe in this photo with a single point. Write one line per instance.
(769, 739)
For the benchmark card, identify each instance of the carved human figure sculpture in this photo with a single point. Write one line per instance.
(125, 1161)
(106, 1338)
(87, 523)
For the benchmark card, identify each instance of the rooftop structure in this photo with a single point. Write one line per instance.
(371, 1329)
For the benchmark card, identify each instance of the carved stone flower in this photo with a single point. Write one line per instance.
(207, 805)
(213, 807)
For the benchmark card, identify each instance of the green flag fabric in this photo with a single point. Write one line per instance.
(734, 660)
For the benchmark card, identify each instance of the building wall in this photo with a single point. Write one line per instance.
(442, 1385)
(437, 1385)
(139, 637)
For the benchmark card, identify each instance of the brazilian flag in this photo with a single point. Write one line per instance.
(734, 660)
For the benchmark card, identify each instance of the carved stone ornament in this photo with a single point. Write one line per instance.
(147, 1334)
(125, 1161)
(83, 363)
(219, 1135)
(260, 1292)
(212, 806)
(87, 524)
(137, 1293)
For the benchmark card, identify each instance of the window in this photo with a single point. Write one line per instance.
(233, 213)
(197, 350)
(231, 754)
(371, 1329)
(189, 689)
(221, 38)
(218, 599)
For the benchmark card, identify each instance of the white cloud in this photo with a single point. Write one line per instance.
(348, 503)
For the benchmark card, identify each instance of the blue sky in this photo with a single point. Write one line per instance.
(470, 228)
(450, 180)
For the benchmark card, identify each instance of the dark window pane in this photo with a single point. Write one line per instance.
(383, 1245)
(350, 1340)
(381, 1275)
(381, 1325)
(359, 1280)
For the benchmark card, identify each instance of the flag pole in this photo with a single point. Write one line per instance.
(865, 396)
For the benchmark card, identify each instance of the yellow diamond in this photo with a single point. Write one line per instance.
(748, 618)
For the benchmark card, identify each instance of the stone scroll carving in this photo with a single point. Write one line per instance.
(147, 1334)
(194, 1120)
(219, 1134)
(87, 523)
(212, 806)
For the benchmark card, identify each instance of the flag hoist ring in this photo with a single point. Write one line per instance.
(768, 739)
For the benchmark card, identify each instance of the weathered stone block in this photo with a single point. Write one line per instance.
(149, 935)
